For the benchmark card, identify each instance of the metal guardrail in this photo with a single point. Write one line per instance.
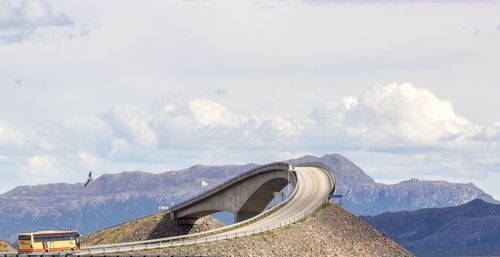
(69, 255)
(215, 238)
(10, 254)
(31, 254)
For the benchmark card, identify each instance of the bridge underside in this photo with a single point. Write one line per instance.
(260, 199)
(245, 199)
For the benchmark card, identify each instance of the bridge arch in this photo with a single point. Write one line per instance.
(245, 196)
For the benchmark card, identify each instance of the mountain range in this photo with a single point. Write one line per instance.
(471, 229)
(115, 198)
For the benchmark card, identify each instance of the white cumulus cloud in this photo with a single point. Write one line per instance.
(198, 124)
(18, 23)
(383, 121)
(212, 114)
(10, 138)
(415, 114)
(395, 113)
(131, 123)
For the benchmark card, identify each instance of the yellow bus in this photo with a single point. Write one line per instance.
(48, 241)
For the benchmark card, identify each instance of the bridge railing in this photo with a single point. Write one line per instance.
(251, 172)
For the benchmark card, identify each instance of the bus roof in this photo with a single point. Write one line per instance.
(49, 232)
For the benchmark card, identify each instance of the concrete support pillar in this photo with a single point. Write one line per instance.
(241, 216)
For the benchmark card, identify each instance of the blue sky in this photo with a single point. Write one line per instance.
(406, 89)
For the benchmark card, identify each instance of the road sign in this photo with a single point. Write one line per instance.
(337, 197)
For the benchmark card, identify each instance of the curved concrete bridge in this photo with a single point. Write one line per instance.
(246, 195)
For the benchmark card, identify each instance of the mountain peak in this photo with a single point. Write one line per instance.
(477, 201)
(478, 204)
(345, 170)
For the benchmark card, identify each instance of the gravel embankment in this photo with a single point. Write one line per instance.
(332, 231)
(152, 227)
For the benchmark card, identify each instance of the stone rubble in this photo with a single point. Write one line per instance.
(332, 231)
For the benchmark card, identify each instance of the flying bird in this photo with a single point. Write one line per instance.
(89, 179)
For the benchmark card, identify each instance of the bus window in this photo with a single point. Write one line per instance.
(40, 238)
(24, 237)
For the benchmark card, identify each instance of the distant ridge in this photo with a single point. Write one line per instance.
(367, 197)
(116, 198)
(469, 229)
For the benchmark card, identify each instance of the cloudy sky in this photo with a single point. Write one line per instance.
(405, 89)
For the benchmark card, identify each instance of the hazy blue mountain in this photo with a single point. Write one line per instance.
(366, 197)
(117, 198)
(471, 229)
(109, 200)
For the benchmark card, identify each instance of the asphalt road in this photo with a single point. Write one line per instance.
(313, 189)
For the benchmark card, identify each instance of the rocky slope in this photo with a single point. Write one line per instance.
(330, 232)
(6, 247)
(155, 226)
(117, 198)
(465, 230)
